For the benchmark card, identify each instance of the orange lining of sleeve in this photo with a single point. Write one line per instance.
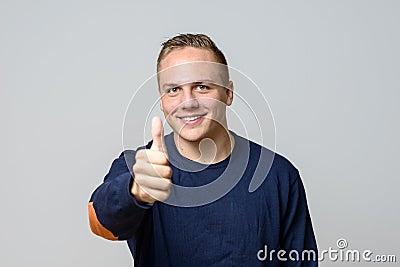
(96, 227)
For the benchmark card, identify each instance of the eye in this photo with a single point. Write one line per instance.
(173, 90)
(202, 87)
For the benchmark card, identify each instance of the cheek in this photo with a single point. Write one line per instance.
(167, 105)
(214, 104)
(221, 96)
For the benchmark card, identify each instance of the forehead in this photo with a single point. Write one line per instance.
(187, 65)
(190, 72)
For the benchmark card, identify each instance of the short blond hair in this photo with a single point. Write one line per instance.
(201, 41)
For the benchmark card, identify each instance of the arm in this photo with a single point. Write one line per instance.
(119, 205)
(114, 213)
(297, 231)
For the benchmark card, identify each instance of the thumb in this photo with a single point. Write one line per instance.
(156, 134)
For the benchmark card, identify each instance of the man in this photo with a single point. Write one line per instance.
(167, 199)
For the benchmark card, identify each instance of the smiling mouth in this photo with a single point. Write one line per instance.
(191, 120)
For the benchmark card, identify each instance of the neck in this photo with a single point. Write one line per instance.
(210, 149)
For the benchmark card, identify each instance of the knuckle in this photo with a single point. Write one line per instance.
(139, 179)
(168, 172)
(165, 185)
(143, 195)
(164, 159)
(164, 195)
(138, 154)
(162, 172)
(136, 168)
(148, 153)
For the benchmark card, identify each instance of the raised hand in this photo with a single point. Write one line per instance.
(152, 173)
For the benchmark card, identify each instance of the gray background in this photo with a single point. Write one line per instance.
(330, 71)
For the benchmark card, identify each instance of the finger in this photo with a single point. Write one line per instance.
(154, 170)
(151, 195)
(155, 183)
(151, 156)
(156, 134)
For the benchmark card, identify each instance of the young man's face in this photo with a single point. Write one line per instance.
(194, 93)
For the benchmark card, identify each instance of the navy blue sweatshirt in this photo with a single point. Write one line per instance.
(240, 228)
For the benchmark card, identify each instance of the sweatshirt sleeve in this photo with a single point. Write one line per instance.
(114, 213)
(297, 230)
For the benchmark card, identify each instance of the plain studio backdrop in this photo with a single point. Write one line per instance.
(330, 71)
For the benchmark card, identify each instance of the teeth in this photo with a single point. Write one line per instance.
(191, 118)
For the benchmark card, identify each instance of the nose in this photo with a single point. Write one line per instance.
(189, 101)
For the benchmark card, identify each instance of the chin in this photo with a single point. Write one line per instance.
(191, 135)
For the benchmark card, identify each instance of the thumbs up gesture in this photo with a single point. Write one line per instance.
(152, 173)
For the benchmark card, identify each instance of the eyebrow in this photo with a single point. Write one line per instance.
(172, 85)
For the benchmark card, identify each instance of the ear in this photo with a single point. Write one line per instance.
(161, 106)
(229, 93)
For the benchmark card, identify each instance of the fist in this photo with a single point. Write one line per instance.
(152, 173)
